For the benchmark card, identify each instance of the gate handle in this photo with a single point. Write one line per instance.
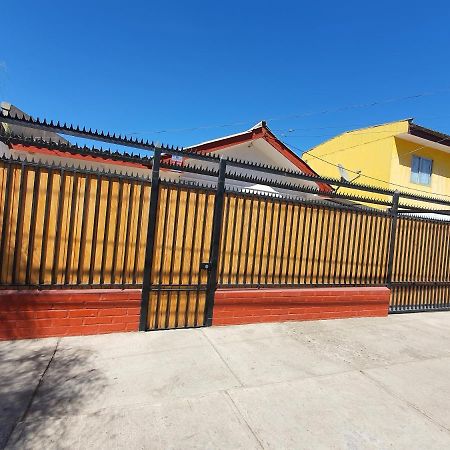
(205, 266)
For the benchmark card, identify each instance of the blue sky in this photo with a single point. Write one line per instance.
(193, 68)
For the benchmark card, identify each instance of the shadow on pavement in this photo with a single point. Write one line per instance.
(38, 384)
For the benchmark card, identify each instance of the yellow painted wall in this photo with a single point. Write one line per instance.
(384, 158)
(369, 150)
(401, 168)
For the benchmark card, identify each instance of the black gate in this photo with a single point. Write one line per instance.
(180, 274)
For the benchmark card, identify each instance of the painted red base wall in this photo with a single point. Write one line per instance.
(35, 314)
(240, 306)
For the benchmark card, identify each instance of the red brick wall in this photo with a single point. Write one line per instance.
(239, 306)
(33, 314)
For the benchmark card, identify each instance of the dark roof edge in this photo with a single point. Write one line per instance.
(429, 134)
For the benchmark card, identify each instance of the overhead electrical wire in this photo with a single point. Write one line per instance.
(354, 132)
(298, 115)
(342, 149)
(350, 127)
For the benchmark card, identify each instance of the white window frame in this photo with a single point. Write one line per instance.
(422, 163)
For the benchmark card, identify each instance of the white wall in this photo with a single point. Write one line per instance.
(258, 151)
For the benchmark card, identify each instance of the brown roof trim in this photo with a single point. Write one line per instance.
(261, 132)
(429, 134)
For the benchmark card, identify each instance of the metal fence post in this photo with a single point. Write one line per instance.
(394, 214)
(215, 242)
(151, 228)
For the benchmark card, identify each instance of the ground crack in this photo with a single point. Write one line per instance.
(223, 359)
(241, 416)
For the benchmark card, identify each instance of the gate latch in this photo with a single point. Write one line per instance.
(205, 266)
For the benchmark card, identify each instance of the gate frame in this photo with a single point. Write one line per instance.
(151, 229)
(210, 266)
(215, 243)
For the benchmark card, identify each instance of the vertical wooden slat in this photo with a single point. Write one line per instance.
(84, 227)
(248, 241)
(224, 240)
(59, 222)
(33, 226)
(116, 240)
(262, 246)
(308, 233)
(71, 229)
(293, 249)
(95, 229)
(180, 317)
(20, 205)
(46, 230)
(139, 227)
(106, 229)
(282, 252)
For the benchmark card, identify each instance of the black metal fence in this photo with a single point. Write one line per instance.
(67, 227)
(421, 265)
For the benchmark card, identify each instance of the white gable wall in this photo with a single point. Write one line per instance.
(258, 151)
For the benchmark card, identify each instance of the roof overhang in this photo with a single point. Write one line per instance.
(429, 134)
(259, 134)
(423, 142)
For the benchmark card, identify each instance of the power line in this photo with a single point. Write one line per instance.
(374, 178)
(354, 132)
(353, 126)
(368, 142)
(342, 149)
(297, 115)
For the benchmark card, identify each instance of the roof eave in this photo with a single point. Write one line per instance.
(429, 134)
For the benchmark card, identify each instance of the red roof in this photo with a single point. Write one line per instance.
(53, 152)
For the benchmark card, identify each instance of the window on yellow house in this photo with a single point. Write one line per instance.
(421, 170)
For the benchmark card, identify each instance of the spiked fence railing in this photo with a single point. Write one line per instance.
(142, 144)
(76, 149)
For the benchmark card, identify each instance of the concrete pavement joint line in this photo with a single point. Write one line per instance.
(132, 355)
(239, 415)
(221, 357)
(399, 397)
(352, 369)
(310, 376)
(33, 395)
(131, 406)
(293, 380)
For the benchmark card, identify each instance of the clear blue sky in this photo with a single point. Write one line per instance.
(144, 66)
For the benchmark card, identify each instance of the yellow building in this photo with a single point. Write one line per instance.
(398, 155)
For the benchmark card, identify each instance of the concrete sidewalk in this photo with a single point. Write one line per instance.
(354, 383)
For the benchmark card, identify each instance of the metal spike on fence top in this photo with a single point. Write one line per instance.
(210, 156)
